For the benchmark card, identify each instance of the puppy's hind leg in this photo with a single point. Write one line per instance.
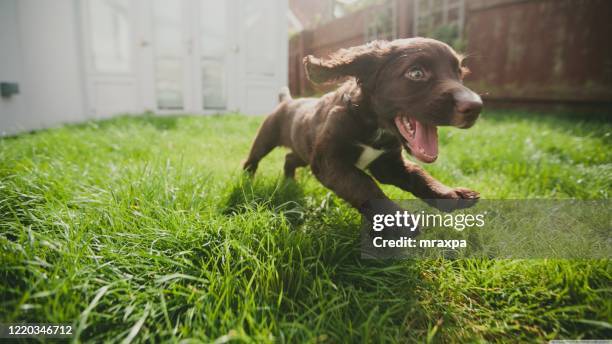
(292, 161)
(267, 139)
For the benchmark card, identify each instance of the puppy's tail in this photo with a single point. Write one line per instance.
(284, 94)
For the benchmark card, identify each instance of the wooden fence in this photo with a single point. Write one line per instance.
(539, 52)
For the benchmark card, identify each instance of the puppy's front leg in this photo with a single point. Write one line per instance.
(393, 169)
(353, 185)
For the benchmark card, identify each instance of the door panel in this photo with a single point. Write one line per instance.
(109, 57)
(213, 47)
(110, 36)
(264, 38)
(261, 42)
(113, 97)
(168, 50)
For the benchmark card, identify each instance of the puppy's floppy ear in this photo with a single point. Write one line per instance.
(360, 61)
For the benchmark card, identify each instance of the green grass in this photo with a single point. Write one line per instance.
(144, 226)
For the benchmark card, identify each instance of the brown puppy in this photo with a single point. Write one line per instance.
(397, 95)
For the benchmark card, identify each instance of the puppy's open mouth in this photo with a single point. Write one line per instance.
(421, 138)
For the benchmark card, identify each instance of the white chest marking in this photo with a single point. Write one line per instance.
(368, 155)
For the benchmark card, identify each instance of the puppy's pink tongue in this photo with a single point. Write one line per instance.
(422, 138)
(426, 140)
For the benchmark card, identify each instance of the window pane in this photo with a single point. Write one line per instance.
(213, 28)
(213, 84)
(213, 39)
(260, 34)
(110, 35)
(167, 23)
(168, 72)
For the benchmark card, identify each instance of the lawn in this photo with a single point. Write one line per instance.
(144, 228)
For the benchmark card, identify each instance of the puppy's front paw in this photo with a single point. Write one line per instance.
(463, 193)
(456, 198)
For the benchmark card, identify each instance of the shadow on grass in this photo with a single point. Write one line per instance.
(278, 195)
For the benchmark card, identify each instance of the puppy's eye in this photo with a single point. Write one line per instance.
(416, 74)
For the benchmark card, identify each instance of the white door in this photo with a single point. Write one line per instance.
(109, 51)
(262, 54)
(184, 56)
(171, 48)
(191, 55)
(215, 55)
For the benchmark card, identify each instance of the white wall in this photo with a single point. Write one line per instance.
(11, 69)
(40, 49)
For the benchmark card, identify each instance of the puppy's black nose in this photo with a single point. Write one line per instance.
(468, 103)
(469, 107)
